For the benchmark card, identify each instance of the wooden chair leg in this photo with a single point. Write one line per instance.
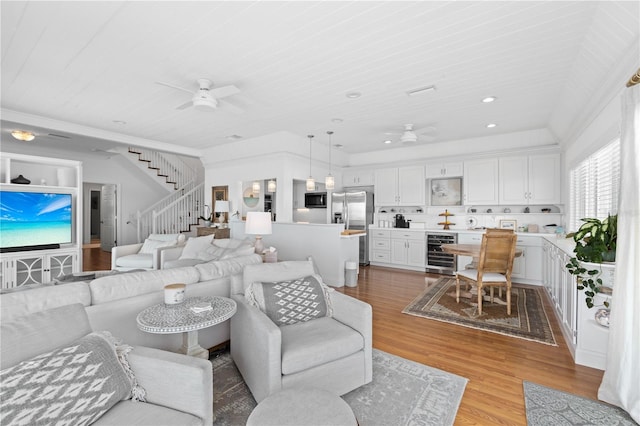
(457, 289)
(491, 293)
(508, 299)
(480, 293)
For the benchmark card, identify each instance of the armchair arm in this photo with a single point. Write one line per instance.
(119, 251)
(256, 349)
(176, 381)
(166, 254)
(357, 315)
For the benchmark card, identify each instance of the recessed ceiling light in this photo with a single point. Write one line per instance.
(491, 125)
(233, 137)
(387, 142)
(353, 95)
(421, 90)
(489, 99)
(122, 123)
(337, 120)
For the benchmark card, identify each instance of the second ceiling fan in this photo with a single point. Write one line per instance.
(207, 97)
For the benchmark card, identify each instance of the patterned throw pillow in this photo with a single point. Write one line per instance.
(293, 301)
(73, 385)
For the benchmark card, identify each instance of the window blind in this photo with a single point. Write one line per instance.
(594, 186)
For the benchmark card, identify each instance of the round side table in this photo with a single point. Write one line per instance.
(302, 406)
(180, 318)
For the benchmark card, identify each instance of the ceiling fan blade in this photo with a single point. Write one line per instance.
(175, 87)
(224, 91)
(185, 105)
(231, 107)
(429, 130)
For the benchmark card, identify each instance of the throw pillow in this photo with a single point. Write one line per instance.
(240, 251)
(211, 253)
(75, 384)
(149, 245)
(196, 245)
(293, 301)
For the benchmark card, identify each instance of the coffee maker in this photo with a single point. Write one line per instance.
(400, 222)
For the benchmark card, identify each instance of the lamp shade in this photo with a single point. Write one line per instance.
(222, 206)
(258, 223)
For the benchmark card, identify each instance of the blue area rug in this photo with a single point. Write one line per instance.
(549, 407)
(402, 392)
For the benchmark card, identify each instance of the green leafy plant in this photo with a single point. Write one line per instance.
(595, 243)
(208, 215)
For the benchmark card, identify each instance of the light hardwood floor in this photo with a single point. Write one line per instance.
(495, 365)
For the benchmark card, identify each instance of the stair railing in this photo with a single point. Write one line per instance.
(171, 166)
(174, 213)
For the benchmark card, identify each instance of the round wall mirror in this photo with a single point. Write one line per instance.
(249, 199)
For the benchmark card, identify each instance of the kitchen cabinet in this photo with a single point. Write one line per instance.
(380, 245)
(357, 178)
(443, 170)
(299, 189)
(481, 181)
(38, 267)
(403, 186)
(533, 179)
(409, 248)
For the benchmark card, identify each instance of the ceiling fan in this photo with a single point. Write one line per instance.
(208, 98)
(410, 136)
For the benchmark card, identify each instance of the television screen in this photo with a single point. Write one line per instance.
(30, 219)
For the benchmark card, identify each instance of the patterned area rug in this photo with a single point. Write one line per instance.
(546, 406)
(528, 320)
(402, 392)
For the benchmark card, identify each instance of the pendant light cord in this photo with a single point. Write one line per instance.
(310, 137)
(330, 133)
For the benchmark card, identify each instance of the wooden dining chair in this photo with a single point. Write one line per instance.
(495, 264)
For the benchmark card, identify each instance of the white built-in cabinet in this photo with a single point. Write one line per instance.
(444, 169)
(357, 178)
(533, 179)
(481, 181)
(401, 186)
(398, 248)
(46, 175)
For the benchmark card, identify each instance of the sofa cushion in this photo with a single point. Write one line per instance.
(224, 268)
(74, 384)
(149, 245)
(131, 413)
(178, 238)
(196, 245)
(292, 301)
(123, 286)
(274, 272)
(33, 334)
(239, 251)
(140, 260)
(43, 297)
(312, 343)
(232, 243)
(181, 263)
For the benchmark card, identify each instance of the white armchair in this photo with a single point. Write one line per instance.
(143, 255)
(331, 353)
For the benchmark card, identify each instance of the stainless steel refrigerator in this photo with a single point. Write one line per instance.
(354, 208)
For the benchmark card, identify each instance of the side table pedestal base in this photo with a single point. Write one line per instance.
(190, 345)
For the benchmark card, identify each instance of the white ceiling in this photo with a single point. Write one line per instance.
(93, 63)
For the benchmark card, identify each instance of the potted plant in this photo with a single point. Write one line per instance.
(207, 217)
(596, 244)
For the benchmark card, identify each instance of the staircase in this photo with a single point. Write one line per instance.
(179, 210)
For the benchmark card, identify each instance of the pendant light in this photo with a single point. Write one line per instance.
(271, 185)
(329, 181)
(255, 187)
(311, 182)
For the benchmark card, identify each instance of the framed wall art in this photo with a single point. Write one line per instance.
(446, 192)
(508, 224)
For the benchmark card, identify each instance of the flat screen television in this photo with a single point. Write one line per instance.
(35, 220)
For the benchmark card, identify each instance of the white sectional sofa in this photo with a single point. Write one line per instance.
(113, 302)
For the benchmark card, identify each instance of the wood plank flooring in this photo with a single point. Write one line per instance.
(495, 365)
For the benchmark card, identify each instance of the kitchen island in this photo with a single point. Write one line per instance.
(325, 243)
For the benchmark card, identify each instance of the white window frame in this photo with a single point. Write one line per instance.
(594, 185)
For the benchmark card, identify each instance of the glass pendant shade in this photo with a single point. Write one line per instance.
(311, 184)
(255, 187)
(271, 186)
(329, 182)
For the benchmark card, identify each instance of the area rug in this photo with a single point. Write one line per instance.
(546, 406)
(528, 319)
(402, 392)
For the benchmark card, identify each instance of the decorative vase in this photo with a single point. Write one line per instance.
(207, 223)
(602, 316)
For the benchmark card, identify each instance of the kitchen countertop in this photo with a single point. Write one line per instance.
(458, 231)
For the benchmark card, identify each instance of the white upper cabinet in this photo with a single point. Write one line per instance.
(533, 179)
(357, 178)
(403, 186)
(443, 170)
(481, 181)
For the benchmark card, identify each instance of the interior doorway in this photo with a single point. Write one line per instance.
(99, 216)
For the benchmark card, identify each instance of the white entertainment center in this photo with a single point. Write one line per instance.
(41, 264)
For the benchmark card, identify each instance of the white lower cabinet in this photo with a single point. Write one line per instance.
(17, 269)
(586, 339)
(398, 248)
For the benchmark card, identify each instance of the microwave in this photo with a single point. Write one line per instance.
(315, 200)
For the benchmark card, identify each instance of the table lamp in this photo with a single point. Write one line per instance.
(258, 224)
(222, 207)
